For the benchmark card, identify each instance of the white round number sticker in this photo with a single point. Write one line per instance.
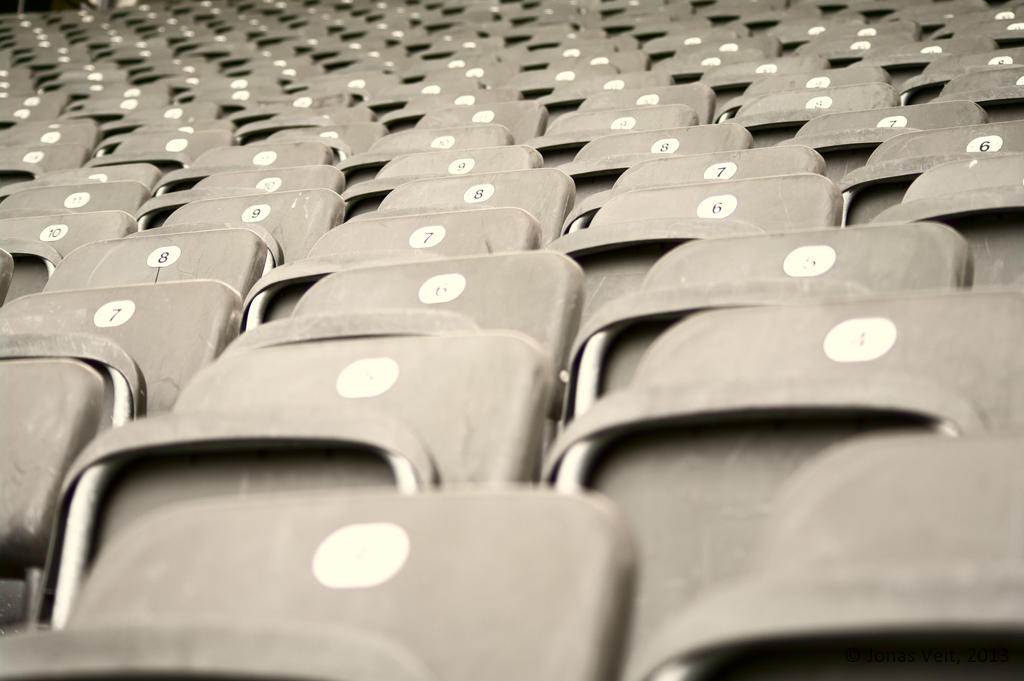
(767, 68)
(264, 158)
(623, 123)
(367, 377)
(818, 82)
(257, 213)
(427, 237)
(50, 137)
(648, 100)
(809, 261)
(33, 157)
(442, 288)
(461, 166)
(720, 171)
(987, 143)
(860, 340)
(443, 142)
(485, 116)
(478, 193)
(130, 104)
(615, 84)
(303, 103)
(361, 556)
(53, 233)
(717, 207)
(669, 145)
(174, 114)
(114, 313)
(77, 200)
(892, 122)
(269, 184)
(823, 102)
(177, 144)
(165, 256)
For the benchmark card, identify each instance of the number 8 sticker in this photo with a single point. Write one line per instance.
(717, 207)
(257, 213)
(478, 193)
(165, 256)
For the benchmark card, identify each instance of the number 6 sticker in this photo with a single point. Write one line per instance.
(717, 207)
(257, 213)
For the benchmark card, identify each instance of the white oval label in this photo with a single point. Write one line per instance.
(623, 123)
(478, 193)
(257, 213)
(823, 102)
(442, 288)
(669, 145)
(485, 116)
(269, 184)
(565, 76)
(987, 143)
(465, 100)
(809, 261)
(818, 82)
(33, 157)
(130, 104)
(303, 103)
(368, 377)
(53, 233)
(114, 313)
(50, 137)
(264, 158)
(442, 142)
(892, 122)
(648, 100)
(860, 340)
(177, 144)
(767, 68)
(427, 237)
(165, 256)
(461, 166)
(173, 113)
(77, 200)
(361, 556)
(717, 207)
(616, 84)
(720, 171)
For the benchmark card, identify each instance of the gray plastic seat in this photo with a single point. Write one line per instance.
(361, 608)
(980, 198)
(236, 257)
(546, 193)
(996, 89)
(847, 139)
(121, 195)
(249, 157)
(547, 294)
(943, 508)
(366, 196)
(296, 219)
(6, 273)
(755, 270)
(634, 228)
(524, 119)
(773, 118)
(697, 96)
(599, 164)
(168, 150)
(25, 163)
(144, 173)
(894, 165)
(169, 330)
(727, 405)
(566, 136)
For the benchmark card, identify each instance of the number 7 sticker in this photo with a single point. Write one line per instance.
(114, 313)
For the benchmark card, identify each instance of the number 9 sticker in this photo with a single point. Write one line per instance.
(257, 213)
